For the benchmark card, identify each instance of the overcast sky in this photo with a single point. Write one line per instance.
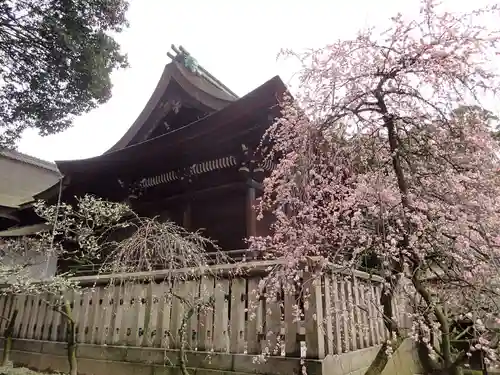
(237, 41)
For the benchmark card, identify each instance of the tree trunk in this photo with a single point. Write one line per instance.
(182, 339)
(450, 366)
(71, 340)
(380, 361)
(9, 332)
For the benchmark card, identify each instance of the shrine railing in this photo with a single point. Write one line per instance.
(232, 255)
(343, 314)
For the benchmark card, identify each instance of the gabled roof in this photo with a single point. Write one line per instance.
(182, 79)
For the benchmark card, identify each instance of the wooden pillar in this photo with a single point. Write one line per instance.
(251, 215)
(313, 318)
(248, 167)
(186, 218)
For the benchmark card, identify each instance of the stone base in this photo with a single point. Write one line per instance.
(105, 360)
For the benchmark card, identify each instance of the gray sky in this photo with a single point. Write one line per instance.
(237, 41)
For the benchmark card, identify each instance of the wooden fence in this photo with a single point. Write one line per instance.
(341, 314)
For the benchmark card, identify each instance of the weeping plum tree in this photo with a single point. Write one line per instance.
(386, 152)
(128, 249)
(24, 271)
(77, 234)
(181, 256)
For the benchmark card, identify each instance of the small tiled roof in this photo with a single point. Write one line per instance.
(28, 159)
(25, 231)
(23, 176)
(13, 201)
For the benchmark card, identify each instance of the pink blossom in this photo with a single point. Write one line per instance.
(385, 151)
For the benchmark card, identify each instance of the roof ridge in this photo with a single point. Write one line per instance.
(29, 159)
(184, 57)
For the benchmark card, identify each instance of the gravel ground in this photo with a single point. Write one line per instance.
(9, 370)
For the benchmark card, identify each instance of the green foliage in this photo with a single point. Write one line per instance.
(488, 116)
(56, 57)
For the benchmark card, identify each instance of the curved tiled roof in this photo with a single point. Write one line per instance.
(220, 124)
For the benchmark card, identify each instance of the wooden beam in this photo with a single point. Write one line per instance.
(255, 185)
(192, 195)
